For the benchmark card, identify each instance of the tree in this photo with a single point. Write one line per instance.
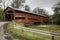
(38, 10)
(1, 14)
(17, 3)
(56, 16)
(27, 8)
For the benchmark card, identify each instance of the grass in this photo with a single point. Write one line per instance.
(49, 28)
(25, 35)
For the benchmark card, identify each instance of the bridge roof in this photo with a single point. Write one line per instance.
(16, 9)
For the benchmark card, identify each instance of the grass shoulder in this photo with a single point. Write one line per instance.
(25, 35)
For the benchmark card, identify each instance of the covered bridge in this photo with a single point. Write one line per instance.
(17, 15)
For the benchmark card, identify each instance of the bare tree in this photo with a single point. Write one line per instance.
(17, 3)
(27, 8)
(38, 10)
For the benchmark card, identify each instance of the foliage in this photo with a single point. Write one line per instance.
(56, 16)
(40, 11)
(25, 35)
(48, 28)
(27, 8)
(18, 4)
(1, 14)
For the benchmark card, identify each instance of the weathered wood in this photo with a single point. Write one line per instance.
(29, 17)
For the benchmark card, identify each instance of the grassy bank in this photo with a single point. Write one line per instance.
(49, 28)
(25, 35)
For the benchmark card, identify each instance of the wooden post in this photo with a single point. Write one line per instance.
(52, 37)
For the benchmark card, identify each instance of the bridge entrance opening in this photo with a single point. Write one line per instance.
(9, 16)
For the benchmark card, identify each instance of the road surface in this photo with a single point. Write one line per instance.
(2, 31)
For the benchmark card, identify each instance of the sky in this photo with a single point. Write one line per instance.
(45, 4)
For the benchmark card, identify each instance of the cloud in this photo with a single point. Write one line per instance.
(46, 4)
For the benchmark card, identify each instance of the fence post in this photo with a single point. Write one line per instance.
(52, 37)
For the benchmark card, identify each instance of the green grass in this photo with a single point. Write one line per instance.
(49, 28)
(25, 35)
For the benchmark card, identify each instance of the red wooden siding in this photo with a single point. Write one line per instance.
(25, 17)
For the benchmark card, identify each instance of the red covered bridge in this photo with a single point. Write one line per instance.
(11, 14)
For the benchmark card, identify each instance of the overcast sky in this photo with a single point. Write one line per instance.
(46, 4)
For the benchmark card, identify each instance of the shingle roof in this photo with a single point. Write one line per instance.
(28, 12)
